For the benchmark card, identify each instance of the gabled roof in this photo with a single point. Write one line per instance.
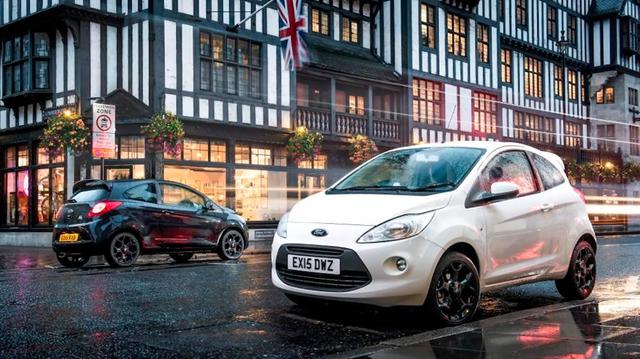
(327, 54)
(605, 7)
(127, 105)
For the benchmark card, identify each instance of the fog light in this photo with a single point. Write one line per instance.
(401, 264)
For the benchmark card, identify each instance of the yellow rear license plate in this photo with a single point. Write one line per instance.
(68, 237)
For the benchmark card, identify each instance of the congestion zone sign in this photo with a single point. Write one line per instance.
(104, 131)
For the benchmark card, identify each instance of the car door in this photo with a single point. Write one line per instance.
(515, 235)
(185, 221)
(144, 208)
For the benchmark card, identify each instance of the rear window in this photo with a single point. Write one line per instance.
(90, 195)
(550, 175)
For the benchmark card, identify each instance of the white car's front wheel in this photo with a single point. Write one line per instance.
(581, 275)
(454, 293)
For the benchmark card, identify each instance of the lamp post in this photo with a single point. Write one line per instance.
(563, 47)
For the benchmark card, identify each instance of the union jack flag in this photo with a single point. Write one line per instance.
(292, 24)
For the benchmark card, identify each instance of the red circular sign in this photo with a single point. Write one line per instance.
(103, 123)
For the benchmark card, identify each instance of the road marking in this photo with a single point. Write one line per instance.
(618, 244)
(631, 285)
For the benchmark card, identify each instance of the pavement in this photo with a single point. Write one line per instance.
(211, 308)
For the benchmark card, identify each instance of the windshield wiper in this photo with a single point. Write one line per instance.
(372, 187)
(432, 186)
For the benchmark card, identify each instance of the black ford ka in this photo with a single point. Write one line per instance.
(126, 218)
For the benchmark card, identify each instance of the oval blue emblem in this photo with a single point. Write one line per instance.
(319, 232)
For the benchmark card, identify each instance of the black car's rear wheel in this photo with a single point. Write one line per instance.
(181, 257)
(454, 293)
(123, 250)
(231, 245)
(581, 275)
(72, 260)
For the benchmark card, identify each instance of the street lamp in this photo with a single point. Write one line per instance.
(563, 47)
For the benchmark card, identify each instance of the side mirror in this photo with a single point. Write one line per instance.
(499, 191)
(209, 206)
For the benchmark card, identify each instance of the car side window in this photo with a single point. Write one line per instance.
(550, 175)
(144, 193)
(511, 166)
(177, 196)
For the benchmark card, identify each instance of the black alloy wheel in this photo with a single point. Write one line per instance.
(581, 275)
(72, 260)
(231, 245)
(454, 293)
(181, 257)
(124, 250)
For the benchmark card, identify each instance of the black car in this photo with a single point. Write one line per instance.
(126, 218)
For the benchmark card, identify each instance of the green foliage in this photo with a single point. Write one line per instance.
(304, 145)
(65, 130)
(165, 132)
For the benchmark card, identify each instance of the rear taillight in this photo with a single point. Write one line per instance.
(103, 207)
(581, 195)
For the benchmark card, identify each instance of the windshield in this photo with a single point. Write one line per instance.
(414, 170)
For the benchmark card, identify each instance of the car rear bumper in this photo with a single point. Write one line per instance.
(87, 243)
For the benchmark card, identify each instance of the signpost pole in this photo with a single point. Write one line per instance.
(103, 175)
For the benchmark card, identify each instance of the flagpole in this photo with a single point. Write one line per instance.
(237, 26)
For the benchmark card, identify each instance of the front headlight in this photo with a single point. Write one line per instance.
(398, 228)
(282, 226)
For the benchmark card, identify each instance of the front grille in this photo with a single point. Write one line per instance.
(353, 273)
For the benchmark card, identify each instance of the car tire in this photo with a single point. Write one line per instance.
(580, 279)
(72, 261)
(454, 293)
(231, 245)
(123, 250)
(181, 257)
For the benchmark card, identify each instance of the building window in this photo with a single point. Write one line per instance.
(630, 40)
(605, 95)
(572, 134)
(427, 26)
(260, 155)
(552, 22)
(583, 88)
(22, 60)
(319, 163)
(209, 181)
(483, 43)
(131, 147)
(320, 21)
(572, 81)
(606, 137)
(505, 65)
(572, 26)
(230, 65)
(521, 12)
(533, 128)
(501, 9)
(558, 81)
(350, 30)
(485, 114)
(350, 102)
(456, 35)
(633, 96)
(218, 151)
(203, 150)
(261, 195)
(634, 139)
(533, 77)
(427, 102)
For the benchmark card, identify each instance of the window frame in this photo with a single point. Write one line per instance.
(572, 85)
(210, 141)
(570, 139)
(28, 59)
(634, 140)
(534, 128)
(320, 12)
(484, 105)
(552, 22)
(572, 29)
(536, 74)
(483, 58)
(462, 49)
(161, 202)
(633, 96)
(428, 25)
(273, 165)
(521, 13)
(506, 66)
(435, 101)
(558, 81)
(351, 20)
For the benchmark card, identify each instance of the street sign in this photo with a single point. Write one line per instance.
(104, 131)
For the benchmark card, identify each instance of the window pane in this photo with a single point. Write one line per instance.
(16, 49)
(196, 150)
(243, 52)
(43, 187)
(23, 156)
(42, 74)
(218, 151)
(25, 76)
(256, 86)
(205, 44)
(180, 197)
(218, 76)
(23, 197)
(242, 154)
(10, 199)
(205, 75)
(131, 147)
(260, 195)
(7, 51)
(260, 156)
(243, 81)
(10, 157)
(17, 78)
(57, 186)
(510, 167)
(231, 79)
(212, 182)
(41, 41)
(26, 46)
(8, 81)
(231, 49)
(217, 47)
(255, 55)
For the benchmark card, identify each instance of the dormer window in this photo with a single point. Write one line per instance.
(350, 30)
(26, 63)
(320, 21)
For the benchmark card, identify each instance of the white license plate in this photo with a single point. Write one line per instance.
(313, 264)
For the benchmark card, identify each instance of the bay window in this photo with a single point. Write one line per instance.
(26, 63)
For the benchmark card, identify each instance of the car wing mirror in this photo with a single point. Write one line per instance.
(210, 206)
(499, 191)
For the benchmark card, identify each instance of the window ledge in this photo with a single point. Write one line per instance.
(25, 97)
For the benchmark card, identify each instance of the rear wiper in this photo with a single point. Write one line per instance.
(71, 200)
(432, 186)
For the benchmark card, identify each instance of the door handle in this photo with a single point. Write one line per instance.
(546, 207)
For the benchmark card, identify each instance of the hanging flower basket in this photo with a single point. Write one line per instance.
(165, 132)
(361, 149)
(304, 145)
(65, 130)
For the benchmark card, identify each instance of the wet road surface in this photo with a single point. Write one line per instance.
(211, 308)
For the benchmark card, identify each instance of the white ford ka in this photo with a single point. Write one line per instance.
(435, 226)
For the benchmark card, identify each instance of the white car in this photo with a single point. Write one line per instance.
(435, 226)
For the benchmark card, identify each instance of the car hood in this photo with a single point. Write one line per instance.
(366, 209)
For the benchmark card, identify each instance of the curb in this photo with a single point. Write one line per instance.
(449, 331)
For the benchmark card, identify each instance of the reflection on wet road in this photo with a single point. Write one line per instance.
(218, 309)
